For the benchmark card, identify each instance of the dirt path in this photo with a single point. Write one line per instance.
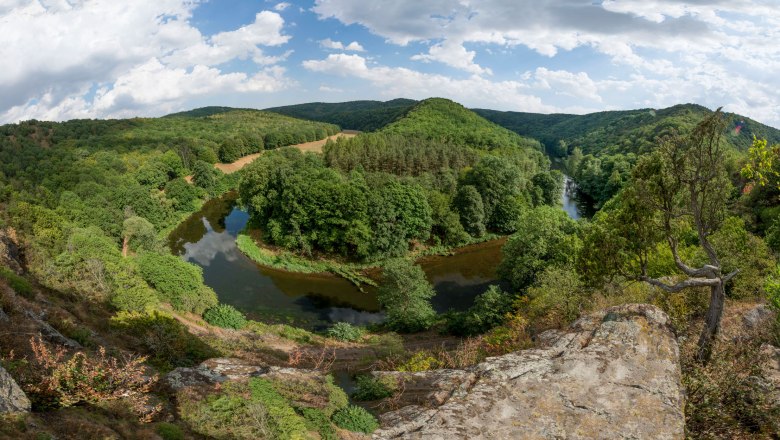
(315, 146)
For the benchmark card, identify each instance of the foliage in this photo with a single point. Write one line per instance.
(468, 203)
(488, 311)
(353, 115)
(165, 339)
(370, 388)
(169, 431)
(16, 282)
(225, 316)
(442, 119)
(545, 237)
(317, 421)
(555, 299)
(760, 166)
(511, 336)
(356, 419)
(405, 296)
(396, 154)
(61, 381)
(728, 398)
(345, 331)
(420, 361)
(138, 234)
(177, 282)
(283, 421)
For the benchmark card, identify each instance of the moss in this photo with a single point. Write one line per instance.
(169, 431)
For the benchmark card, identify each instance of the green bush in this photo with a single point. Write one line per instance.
(225, 316)
(169, 431)
(370, 388)
(177, 282)
(488, 311)
(356, 419)
(282, 419)
(405, 295)
(316, 420)
(165, 339)
(19, 284)
(344, 331)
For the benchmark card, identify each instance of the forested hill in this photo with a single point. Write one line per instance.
(442, 119)
(352, 115)
(630, 131)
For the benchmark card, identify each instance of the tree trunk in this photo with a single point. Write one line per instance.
(712, 322)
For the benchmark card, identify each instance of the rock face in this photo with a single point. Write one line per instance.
(12, 398)
(614, 375)
(10, 256)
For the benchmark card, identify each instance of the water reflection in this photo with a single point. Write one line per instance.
(208, 237)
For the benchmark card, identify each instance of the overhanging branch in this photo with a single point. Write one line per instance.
(690, 282)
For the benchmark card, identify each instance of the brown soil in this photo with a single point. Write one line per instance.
(315, 146)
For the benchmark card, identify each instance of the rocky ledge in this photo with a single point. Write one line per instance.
(613, 375)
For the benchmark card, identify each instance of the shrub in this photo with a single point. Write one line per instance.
(19, 284)
(283, 421)
(165, 339)
(420, 361)
(177, 282)
(371, 388)
(344, 331)
(728, 398)
(169, 431)
(225, 316)
(356, 419)
(61, 381)
(227, 415)
(135, 299)
(556, 298)
(405, 294)
(488, 311)
(316, 420)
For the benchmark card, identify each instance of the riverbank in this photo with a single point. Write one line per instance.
(358, 274)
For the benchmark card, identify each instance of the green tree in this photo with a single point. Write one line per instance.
(468, 203)
(545, 237)
(551, 186)
(683, 185)
(177, 282)
(203, 175)
(138, 234)
(405, 296)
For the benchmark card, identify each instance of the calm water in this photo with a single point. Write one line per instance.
(208, 239)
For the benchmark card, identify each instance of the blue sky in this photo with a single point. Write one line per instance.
(103, 58)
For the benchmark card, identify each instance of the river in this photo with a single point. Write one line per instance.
(208, 239)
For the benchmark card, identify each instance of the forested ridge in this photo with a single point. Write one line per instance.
(352, 115)
(441, 174)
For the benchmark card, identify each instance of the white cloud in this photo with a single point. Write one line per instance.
(398, 81)
(329, 89)
(453, 54)
(138, 56)
(338, 45)
(714, 52)
(281, 6)
(577, 85)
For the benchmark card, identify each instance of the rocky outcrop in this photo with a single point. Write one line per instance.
(12, 398)
(614, 375)
(218, 370)
(10, 255)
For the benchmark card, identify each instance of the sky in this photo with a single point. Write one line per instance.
(66, 59)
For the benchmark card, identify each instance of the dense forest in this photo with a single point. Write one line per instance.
(688, 220)
(352, 115)
(440, 173)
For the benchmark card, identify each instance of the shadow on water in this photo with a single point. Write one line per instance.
(208, 239)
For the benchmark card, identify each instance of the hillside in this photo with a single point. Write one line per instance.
(442, 119)
(352, 115)
(630, 131)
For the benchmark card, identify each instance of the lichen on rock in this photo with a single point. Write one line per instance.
(614, 375)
